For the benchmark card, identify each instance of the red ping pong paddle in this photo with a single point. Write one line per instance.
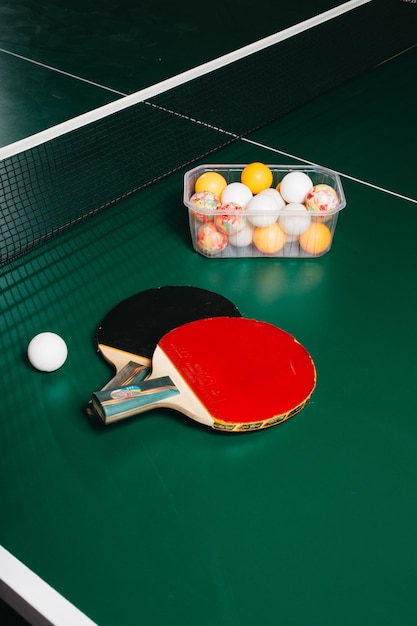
(200, 369)
(128, 335)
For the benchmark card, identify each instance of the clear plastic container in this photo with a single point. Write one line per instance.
(302, 229)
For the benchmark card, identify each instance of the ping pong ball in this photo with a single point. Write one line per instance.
(322, 198)
(238, 193)
(47, 352)
(295, 186)
(242, 238)
(270, 239)
(230, 219)
(316, 239)
(262, 210)
(210, 240)
(207, 201)
(274, 193)
(256, 176)
(210, 181)
(298, 222)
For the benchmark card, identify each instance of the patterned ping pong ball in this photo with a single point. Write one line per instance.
(316, 239)
(270, 239)
(295, 186)
(210, 240)
(237, 193)
(256, 176)
(211, 181)
(322, 198)
(47, 352)
(298, 222)
(207, 201)
(262, 210)
(230, 219)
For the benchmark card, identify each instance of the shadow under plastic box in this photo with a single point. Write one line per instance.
(199, 218)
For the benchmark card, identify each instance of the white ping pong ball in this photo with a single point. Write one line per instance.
(262, 210)
(295, 186)
(47, 352)
(297, 223)
(274, 193)
(242, 238)
(236, 192)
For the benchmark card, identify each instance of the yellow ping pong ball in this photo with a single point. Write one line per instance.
(210, 181)
(257, 176)
(47, 352)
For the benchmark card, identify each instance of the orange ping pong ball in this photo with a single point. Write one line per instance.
(269, 239)
(211, 181)
(257, 176)
(316, 239)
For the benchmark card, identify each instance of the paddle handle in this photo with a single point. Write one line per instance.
(114, 404)
(131, 374)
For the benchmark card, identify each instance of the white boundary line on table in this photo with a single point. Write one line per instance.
(347, 176)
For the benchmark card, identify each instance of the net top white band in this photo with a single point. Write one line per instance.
(149, 92)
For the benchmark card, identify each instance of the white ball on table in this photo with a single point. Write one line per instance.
(47, 352)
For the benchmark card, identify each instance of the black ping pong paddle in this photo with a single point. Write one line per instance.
(129, 333)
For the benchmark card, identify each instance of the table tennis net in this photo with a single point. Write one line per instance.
(47, 188)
